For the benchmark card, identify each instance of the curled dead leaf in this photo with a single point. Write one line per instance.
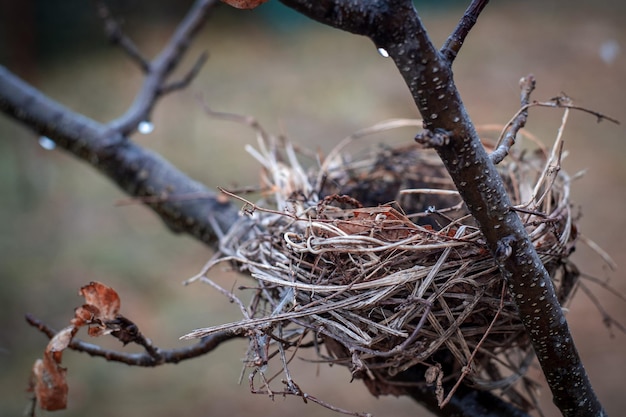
(84, 315)
(244, 4)
(434, 375)
(101, 308)
(102, 305)
(50, 385)
(104, 298)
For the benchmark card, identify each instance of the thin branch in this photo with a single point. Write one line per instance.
(607, 319)
(395, 26)
(145, 359)
(509, 133)
(116, 35)
(456, 39)
(188, 78)
(155, 82)
(604, 284)
(564, 102)
(527, 84)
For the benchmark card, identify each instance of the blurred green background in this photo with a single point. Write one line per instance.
(60, 227)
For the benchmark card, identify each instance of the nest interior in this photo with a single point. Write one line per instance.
(375, 257)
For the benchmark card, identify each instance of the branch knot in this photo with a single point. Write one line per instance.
(433, 138)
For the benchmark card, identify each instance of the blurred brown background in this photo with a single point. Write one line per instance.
(60, 227)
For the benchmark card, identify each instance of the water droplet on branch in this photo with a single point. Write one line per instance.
(47, 143)
(383, 52)
(145, 127)
(609, 51)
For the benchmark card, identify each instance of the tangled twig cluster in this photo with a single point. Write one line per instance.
(377, 259)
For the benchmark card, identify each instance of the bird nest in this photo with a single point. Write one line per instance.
(377, 258)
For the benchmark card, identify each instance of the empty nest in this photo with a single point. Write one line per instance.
(376, 258)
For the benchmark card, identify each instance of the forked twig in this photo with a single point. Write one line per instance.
(158, 71)
(507, 137)
(153, 355)
(507, 140)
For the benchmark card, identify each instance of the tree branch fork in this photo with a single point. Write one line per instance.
(395, 26)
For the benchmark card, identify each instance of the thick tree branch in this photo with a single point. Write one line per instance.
(138, 171)
(395, 26)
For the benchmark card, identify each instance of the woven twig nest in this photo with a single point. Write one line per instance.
(377, 258)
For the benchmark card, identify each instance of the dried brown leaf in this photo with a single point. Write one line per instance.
(85, 315)
(101, 308)
(103, 298)
(434, 375)
(50, 385)
(244, 4)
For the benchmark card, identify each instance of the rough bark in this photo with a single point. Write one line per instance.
(395, 26)
(183, 204)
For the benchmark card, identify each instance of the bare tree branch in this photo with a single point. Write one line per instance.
(151, 358)
(395, 26)
(564, 102)
(188, 78)
(453, 44)
(138, 171)
(158, 70)
(117, 36)
(518, 122)
(528, 85)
